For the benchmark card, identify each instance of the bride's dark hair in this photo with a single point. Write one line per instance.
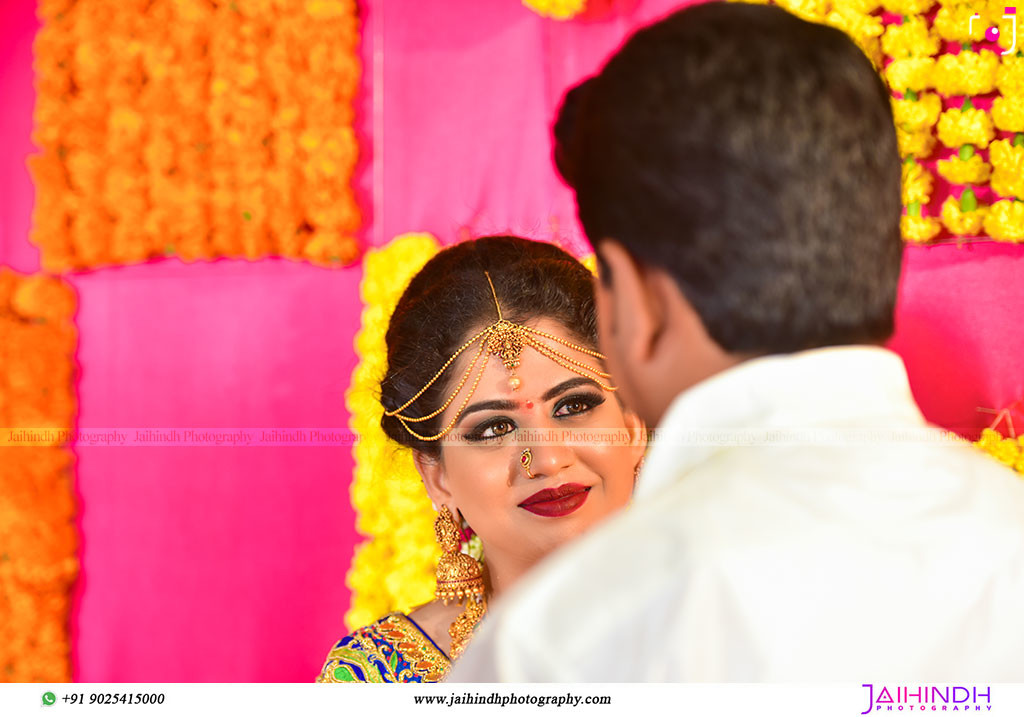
(449, 298)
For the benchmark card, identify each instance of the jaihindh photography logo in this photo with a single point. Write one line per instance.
(946, 698)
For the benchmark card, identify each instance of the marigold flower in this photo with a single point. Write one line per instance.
(1005, 221)
(1010, 75)
(917, 183)
(43, 297)
(953, 21)
(1008, 113)
(966, 73)
(960, 126)
(917, 229)
(963, 216)
(863, 29)
(912, 38)
(921, 113)
(557, 9)
(915, 144)
(908, 7)
(965, 167)
(1008, 167)
(864, 7)
(1006, 32)
(911, 73)
(1006, 452)
(989, 439)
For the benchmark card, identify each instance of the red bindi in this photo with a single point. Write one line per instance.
(529, 404)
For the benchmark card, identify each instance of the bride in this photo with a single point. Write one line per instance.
(495, 383)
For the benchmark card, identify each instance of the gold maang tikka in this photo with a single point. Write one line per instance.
(505, 340)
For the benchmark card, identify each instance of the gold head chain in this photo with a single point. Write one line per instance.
(505, 340)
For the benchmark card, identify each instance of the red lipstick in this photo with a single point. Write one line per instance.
(556, 502)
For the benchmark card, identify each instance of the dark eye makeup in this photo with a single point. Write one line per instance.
(497, 427)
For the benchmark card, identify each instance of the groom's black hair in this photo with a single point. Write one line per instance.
(751, 155)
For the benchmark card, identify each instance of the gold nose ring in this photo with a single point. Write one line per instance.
(526, 460)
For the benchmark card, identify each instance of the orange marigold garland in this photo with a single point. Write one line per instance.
(38, 544)
(195, 129)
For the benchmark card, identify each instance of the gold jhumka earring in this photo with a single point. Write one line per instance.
(505, 340)
(459, 577)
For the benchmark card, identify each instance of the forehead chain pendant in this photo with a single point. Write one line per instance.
(506, 342)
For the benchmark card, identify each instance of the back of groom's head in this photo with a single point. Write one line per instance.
(751, 156)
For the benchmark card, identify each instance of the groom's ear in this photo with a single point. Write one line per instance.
(629, 315)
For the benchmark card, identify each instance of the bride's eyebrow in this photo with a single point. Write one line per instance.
(495, 405)
(506, 405)
(567, 385)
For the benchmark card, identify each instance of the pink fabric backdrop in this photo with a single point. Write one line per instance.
(209, 563)
(223, 563)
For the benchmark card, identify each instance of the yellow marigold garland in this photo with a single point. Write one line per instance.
(38, 544)
(915, 115)
(394, 569)
(195, 129)
(917, 183)
(1008, 108)
(1008, 451)
(557, 9)
(922, 75)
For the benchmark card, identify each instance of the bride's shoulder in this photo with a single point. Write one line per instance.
(393, 649)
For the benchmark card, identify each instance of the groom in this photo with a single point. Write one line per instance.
(736, 170)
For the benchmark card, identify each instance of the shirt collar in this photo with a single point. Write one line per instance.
(860, 386)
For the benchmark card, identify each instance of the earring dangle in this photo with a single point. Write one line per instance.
(459, 577)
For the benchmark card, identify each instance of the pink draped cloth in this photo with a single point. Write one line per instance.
(221, 563)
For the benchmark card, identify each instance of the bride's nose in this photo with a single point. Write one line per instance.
(546, 461)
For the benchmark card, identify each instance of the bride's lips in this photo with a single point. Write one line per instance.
(556, 502)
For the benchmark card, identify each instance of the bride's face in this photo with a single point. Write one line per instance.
(584, 446)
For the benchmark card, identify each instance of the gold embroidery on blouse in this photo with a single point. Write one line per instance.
(425, 660)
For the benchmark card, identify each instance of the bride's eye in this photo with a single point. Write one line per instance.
(495, 428)
(579, 403)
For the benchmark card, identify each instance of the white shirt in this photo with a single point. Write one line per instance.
(815, 559)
